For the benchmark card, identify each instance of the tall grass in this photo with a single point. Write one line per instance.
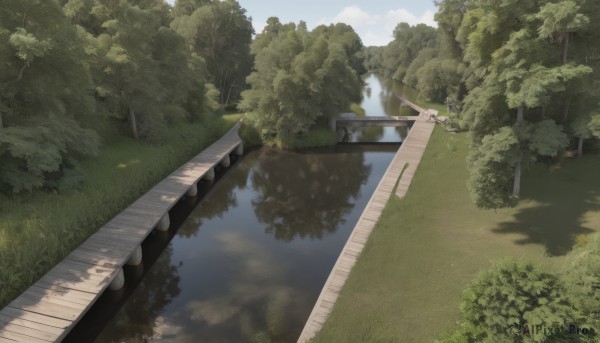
(37, 230)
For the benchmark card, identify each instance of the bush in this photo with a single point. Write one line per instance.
(582, 277)
(513, 292)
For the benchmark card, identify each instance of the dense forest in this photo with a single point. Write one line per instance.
(109, 67)
(522, 77)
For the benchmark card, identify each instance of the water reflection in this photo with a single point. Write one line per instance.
(248, 263)
(379, 99)
(139, 319)
(306, 195)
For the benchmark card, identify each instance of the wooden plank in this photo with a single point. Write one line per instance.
(43, 307)
(6, 332)
(70, 295)
(35, 317)
(26, 324)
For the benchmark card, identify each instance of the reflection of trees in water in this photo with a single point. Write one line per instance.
(306, 195)
(390, 90)
(367, 134)
(139, 320)
(219, 200)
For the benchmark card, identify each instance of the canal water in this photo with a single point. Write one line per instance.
(249, 260)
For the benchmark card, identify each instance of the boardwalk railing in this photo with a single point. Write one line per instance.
(49, 309)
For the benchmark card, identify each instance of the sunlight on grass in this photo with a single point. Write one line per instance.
(426, 248)
(125, 165)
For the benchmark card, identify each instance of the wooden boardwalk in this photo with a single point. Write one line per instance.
(49, 309)
(409, 156)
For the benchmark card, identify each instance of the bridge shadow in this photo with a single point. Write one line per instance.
(554, 208)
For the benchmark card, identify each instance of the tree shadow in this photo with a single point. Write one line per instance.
(561, 197)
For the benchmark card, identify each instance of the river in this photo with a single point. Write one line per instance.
(247, 261)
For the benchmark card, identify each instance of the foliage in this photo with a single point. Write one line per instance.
(491, 163)
(515, 292)
(302, 78)
(44, 94)
(582, 275)
(220, 33)
(512, 68)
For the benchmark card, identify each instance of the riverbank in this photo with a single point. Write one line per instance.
(426, 248)
(37, 230)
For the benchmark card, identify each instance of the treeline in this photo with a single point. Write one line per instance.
(75, 72)
(423, 58)
(522, 77)
(301, 78)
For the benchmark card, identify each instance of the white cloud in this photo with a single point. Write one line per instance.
(428, 18)
(377, 29)
(354, 16)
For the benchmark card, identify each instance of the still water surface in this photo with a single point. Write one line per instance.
(248, 263)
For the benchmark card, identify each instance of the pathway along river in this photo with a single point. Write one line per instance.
(246, 263)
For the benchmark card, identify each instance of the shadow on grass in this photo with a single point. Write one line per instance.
(563, 198)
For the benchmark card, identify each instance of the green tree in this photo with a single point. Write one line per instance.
(514, 293)
(301, 78)
(582, 275)
(518, 68)
(45, 93)
(221, 33)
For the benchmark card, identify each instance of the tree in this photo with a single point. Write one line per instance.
(582, 274)
(581, 130)
(143, 72)
(519, 294)
(45, 91)
(518, 68)
(221, 33)
(301, 78)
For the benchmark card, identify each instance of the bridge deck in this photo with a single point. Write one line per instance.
(374, 121)
(48, 310)
(408, 155)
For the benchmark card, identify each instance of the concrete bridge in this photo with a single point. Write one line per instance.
(350, 120)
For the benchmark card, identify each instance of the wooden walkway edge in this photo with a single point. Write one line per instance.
(409, 156)
(49, 309)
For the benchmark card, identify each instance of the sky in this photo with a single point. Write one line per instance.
(373, 20)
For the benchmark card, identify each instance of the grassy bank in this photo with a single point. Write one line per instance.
(37, 230)
(407, 285)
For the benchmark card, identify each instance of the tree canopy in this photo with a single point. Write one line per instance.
(301, 77)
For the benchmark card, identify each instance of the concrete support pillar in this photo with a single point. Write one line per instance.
(210, 175)
(164, 223)
(239, 150)
(118, 282)
(136, 257)
(193, 191)
(226, 162)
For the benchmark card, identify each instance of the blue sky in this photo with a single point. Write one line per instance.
(373, 20)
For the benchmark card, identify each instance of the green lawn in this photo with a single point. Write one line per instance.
(37, 230)
(407, 285)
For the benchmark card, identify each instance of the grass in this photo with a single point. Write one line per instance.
(408, 282)
(37, 230)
